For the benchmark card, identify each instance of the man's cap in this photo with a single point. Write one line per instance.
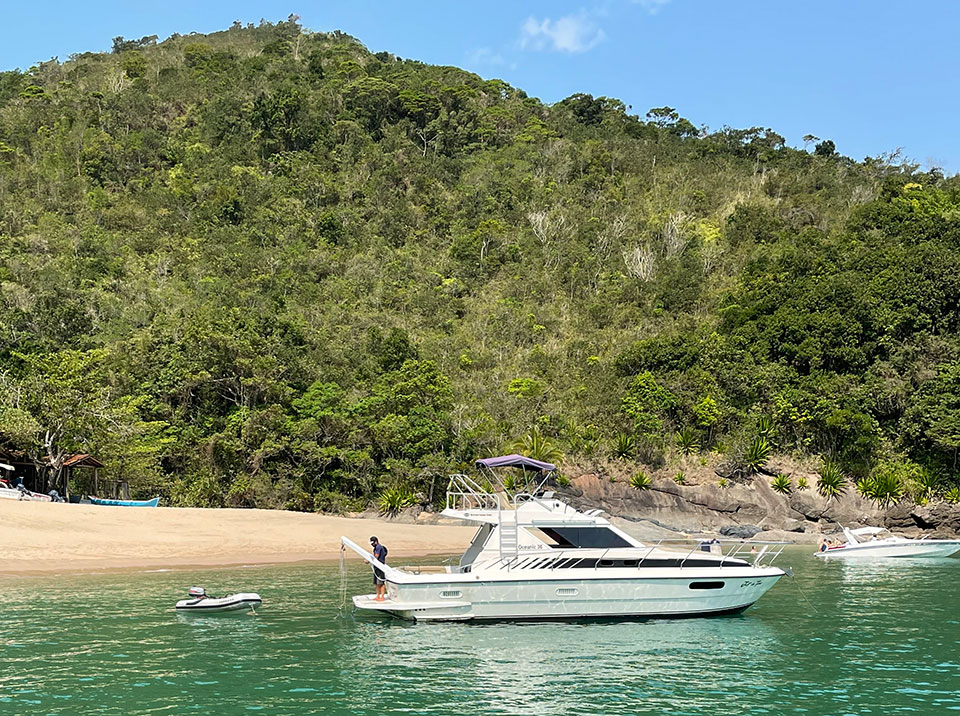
(374, 539)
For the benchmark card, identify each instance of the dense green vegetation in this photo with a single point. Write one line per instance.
(267, 267)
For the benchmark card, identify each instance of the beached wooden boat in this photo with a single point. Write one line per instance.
(125, 503)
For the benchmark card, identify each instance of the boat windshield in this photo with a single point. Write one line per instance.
(586, 537)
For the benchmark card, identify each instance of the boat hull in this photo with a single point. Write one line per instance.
(922, 548)
(125, 503)
(213, 605)
(636, 597)
(8, 494)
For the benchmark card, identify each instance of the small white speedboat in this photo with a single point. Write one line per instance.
(23, 494)
(19, 492)
(200, 602)
(879, 542)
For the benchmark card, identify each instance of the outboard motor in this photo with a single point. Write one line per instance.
(198, 592)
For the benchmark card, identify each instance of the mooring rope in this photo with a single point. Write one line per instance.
(797, 585)
(343, 581)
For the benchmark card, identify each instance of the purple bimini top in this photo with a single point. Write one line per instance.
(515, 461)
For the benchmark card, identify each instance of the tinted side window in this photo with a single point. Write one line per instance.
(588, 537)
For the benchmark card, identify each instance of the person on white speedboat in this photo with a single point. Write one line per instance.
(879, 542)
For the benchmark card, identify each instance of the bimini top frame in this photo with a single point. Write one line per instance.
(535, 472)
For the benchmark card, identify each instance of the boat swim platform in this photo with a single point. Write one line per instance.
(370, 603)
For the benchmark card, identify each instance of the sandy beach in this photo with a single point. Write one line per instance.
(50, 538)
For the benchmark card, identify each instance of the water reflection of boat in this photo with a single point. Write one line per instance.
(536, 557)
(880, 543)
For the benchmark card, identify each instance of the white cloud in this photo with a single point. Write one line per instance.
(485, 56)
(652, 6)
(573, 33)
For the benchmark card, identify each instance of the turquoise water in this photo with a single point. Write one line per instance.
(836, 639)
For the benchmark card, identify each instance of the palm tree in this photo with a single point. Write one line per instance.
(883, 487)
(538, 446)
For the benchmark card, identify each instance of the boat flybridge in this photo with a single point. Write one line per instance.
(870, 542)
(534, 557)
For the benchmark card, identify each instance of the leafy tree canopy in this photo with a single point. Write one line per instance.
(267, 267)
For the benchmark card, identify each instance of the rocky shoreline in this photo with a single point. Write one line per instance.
(747, 509)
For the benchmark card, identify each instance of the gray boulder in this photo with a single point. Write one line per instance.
(740, 531)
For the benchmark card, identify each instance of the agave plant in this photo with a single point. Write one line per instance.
(395, 499)
(781, 484)
(831, 481)
(882, 488)
(510, 483)
(624, 445)
(802, 483)
(641, 480)
(723, 482)
(922, 484)
(538, 446)
(680, 478)
(764, 426)
(952, 495)
(687, 441)
(590, 444)
(574, 443)
(562, 481)
(757, 453)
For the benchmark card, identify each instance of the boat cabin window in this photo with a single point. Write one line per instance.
(706, 585)
(585, 537)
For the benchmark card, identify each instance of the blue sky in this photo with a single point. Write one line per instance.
(871, 76)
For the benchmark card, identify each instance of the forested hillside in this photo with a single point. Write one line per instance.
(265, 267)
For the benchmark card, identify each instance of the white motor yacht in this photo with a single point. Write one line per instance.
(879, 542)
(535, 557)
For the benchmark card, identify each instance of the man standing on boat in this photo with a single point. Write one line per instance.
(380, 554)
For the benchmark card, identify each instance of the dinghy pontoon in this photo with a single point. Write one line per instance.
(201, 602)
